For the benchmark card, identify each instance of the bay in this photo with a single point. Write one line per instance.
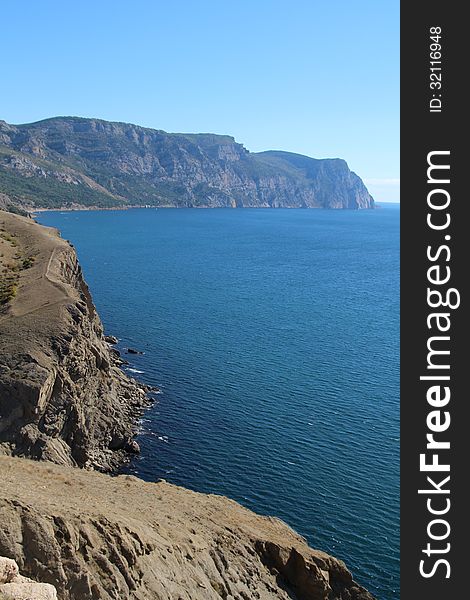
(274, 337)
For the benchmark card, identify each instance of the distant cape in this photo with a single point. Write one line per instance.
(75, 162)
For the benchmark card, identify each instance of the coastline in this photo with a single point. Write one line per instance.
(32, 212)
(64, 395)
(52, 341)
(101, 537)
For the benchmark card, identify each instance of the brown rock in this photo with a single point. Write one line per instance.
(61, 390)
(101, 537)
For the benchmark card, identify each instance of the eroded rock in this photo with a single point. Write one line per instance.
(120, 538)
(62, 394)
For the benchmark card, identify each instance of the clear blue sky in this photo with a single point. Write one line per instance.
(318, 78)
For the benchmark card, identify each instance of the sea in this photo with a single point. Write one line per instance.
(273, 336)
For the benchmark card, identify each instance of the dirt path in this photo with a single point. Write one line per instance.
(28, 257)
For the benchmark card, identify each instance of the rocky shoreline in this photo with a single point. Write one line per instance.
(65, 400)
(64, 397)
(112, 538)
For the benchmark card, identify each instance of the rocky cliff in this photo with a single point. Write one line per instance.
(89, 162)
(98, 537)
(63, 396)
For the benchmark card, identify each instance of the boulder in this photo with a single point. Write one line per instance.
(15, 587)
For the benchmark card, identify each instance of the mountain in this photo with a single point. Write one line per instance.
(72, 161)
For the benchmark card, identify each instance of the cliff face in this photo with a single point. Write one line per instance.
(91, 162)
(62, 395)
(103, 538)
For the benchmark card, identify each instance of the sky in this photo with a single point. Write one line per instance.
(317, 78)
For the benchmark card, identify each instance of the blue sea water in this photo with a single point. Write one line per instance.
(274, 337)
